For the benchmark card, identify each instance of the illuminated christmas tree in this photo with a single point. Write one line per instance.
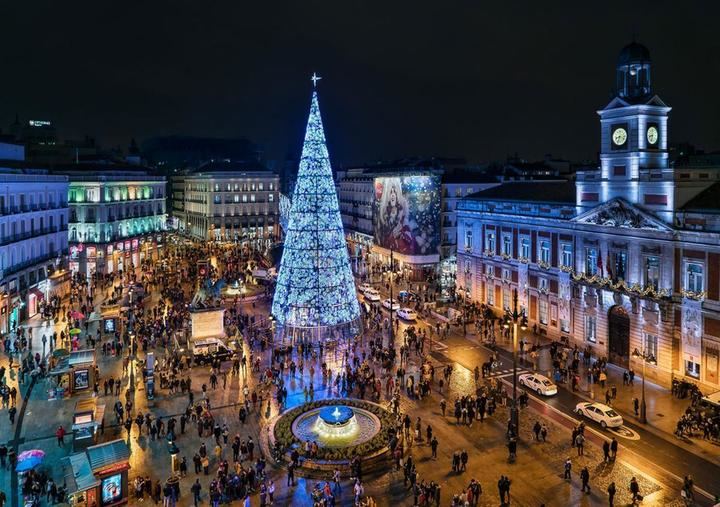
(315, 292)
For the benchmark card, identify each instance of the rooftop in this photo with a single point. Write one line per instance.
(536, 191)
(706, 201)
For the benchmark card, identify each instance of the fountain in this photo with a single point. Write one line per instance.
(336, 426)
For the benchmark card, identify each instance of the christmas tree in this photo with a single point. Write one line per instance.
(315, 289)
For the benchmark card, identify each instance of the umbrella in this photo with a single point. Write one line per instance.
(75, 331)
(77, 315)
(27, 460)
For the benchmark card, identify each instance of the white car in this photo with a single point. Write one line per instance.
(538, 383)
(391, 304)
(407, 314)
(364, 287)
(600, 413)
(372, 295)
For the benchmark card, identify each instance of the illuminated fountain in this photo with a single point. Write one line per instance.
(336, 426)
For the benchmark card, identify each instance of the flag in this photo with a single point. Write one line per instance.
(609, 269)
(599, 264)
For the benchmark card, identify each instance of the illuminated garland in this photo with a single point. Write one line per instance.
(315, 286)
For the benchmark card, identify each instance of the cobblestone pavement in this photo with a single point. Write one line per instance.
(537, 474)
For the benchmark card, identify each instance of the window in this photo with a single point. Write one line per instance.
(216, 200)
(694, 277)
(228, 187)
(490, 241)
(271, 198)
(272, 186)
(244, 199)
(545, 252)
(692, 368)
(567, 259)
(652, 272)
(252, 197)
(252, 187)
(591, 261)
(543, 284)
(543, 311)
(261, 186)
(651, 347)
(236, 198)
(468, 239)
(506, 275)
(217, 187)
(507, 246)
(490, 294)
(489, 270)
(564, 326)
(525, 248)
(506, 299)
(590, 329)
(620, 264)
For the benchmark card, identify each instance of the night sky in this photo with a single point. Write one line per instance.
(450, 78)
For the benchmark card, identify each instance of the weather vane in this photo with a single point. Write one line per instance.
(315, 78)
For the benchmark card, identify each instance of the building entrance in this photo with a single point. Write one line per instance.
(619, 336)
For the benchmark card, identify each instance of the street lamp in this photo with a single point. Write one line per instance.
(513, 318)
(645, 357)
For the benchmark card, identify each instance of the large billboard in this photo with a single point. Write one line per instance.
(406, 217)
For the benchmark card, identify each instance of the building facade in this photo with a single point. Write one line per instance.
(626, 260)
(117, 219)
(228, 202)
(33, 242)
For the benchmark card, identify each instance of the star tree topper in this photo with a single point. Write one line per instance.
(315, 78)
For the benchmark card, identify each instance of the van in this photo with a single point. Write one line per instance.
(711, 401)
(210, 349)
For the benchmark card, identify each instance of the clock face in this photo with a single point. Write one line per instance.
(619, 136)
(652, 135)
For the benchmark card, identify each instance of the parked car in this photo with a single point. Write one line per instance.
(599, 413)
(391, 304)
(407, 314)
(372, 295)
(538, 383)
(364, 287)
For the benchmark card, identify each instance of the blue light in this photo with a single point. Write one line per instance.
(315, 287)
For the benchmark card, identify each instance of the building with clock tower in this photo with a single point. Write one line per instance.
(624, 262)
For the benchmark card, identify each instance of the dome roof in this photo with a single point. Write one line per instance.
(633, 53)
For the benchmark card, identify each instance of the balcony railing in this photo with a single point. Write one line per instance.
(19, 266)
(14, 238)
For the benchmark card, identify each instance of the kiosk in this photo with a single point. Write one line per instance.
(87, 419)
(99, 475)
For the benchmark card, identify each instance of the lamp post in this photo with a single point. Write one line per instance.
(644, 357)
(392, 325)
(514, 318)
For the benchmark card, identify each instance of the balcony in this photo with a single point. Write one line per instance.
(17, 267)
(14, 238)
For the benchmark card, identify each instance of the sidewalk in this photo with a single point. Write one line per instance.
(663, 409)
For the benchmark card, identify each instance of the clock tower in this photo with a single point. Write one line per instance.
(634, 163)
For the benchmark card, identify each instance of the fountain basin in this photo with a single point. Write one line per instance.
(336, 426)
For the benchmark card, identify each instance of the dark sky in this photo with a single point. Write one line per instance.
(456, 78)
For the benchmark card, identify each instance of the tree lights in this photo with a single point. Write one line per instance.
(315, 288)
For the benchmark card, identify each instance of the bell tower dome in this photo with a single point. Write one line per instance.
(633, 79)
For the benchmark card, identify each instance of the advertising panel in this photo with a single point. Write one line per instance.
(111, 489)
(406, 214)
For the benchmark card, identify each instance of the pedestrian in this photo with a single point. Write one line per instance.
(544, 432)
(196, 488)
(636, 406)
(585, 478)
(611, 494)
(606, 451)
(613, 448)
(434, 447)
(60, 434)
(635, 490)
(568, 469)
(580, 444)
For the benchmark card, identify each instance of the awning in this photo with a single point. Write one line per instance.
(78, 474)
(37, 292)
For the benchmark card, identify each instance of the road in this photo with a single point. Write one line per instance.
(656, 454)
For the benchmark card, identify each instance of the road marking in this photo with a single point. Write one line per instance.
(625, 432)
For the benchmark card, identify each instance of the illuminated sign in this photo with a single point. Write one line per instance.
(39, 123)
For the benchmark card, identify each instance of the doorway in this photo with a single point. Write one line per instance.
(619, 336)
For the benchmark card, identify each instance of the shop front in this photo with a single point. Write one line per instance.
(98, 476)
(72, 373)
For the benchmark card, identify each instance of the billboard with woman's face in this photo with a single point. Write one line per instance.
(406, 217)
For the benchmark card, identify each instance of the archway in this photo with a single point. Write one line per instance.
(619, 336)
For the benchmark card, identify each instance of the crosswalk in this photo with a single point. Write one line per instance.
(505, 372)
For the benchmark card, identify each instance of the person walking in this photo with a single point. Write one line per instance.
(196, 488)
(606, 451)
(611, 494)
(434, 447)
(613, 448)
(635, 490)
(568, 469)
(585, 478)
(580, 444)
